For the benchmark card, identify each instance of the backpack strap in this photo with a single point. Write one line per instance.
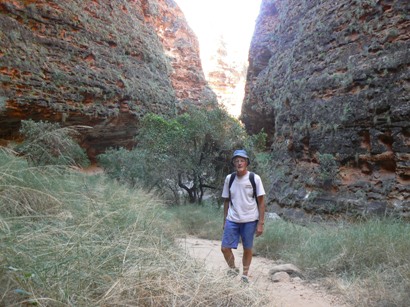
(233, 175)
(251, 179)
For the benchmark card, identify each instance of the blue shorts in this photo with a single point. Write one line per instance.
(233, 231)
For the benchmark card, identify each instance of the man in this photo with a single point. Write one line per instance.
(244, 214)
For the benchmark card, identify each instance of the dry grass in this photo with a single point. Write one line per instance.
(367, 262)
(73, 239)
(202, 221)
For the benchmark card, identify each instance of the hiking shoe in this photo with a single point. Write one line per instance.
(245, 279)
(233, 272)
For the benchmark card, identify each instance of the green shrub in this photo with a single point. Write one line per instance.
(49, 144)
(328, 169)
(123, 165)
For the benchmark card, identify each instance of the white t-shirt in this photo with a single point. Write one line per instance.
(244, 208)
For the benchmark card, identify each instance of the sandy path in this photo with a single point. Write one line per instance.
(294, 293)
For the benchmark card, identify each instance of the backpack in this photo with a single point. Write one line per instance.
(251, 179)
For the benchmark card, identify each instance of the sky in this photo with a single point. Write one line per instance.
(234, 19)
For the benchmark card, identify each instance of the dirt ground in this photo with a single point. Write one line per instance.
(294, 293)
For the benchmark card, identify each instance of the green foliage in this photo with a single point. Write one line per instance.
(49, 144)
(123, 165)
(190, 153)
(327, 168)
(256, 142)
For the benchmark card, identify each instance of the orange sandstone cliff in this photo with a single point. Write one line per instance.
(97, 63)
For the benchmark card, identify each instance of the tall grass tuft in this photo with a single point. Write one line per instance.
(48, 143)
(369, 259)
(70, 239)
(204, 221)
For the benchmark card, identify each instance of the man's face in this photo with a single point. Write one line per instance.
(240, 164)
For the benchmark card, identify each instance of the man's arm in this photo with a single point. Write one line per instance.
(226, 207)
(261, 222)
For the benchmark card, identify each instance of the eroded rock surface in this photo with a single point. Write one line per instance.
(329, 82)
(99, 63)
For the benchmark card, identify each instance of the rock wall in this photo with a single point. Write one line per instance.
(329, 82)
(98, 63)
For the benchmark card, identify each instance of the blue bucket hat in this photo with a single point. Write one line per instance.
(240, 153)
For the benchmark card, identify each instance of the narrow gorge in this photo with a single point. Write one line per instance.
(328, 81)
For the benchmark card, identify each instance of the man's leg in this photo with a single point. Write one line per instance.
(230, 239)
(246, 260)
(229, 256)
(247, 233)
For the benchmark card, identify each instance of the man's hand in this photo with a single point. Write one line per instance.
(259, 229)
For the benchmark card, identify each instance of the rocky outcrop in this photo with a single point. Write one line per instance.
(98, 63)
(329, 83)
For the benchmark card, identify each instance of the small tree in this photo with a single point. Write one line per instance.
(187, 153)
(191, 149)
